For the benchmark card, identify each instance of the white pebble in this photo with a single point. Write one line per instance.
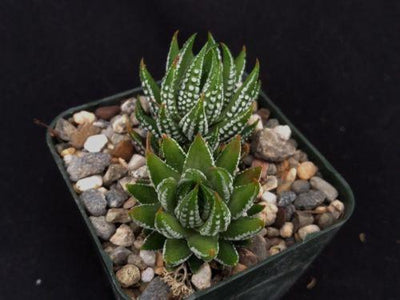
(119, 122)
(202, 278)
(92, 182)
(136, 162)
(95, 143)
(269, 197)
(253, 118)
(147, 275)
(283, 131)
(306, 230)
(148, 257)
(83, 117)
(287, 230)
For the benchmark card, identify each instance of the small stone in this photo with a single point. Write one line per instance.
(262, 164)
(306, 170)
(123, 236)
(117, 215)
(202, 278)
(268, 214)
(124, 149)
(275, 249)
(306, 230)
(336, 208)
(128, 275)
(325, 220)
(289, 211)
(130, 293)
(103, 229)
(287, 230)
(131, 202)
(134, 121)
(147, 275)
(283, 131)
(142, 172)
(280, 217)
(129, 105)
(156, 290)
(258, 247)
(303, 218)
(247, 258)
(136, 260)
(136, 162)
(325, 187)
(68, 151)
(286, 198)
(238, 268)
(101, 124)
(92, 182)
(88, 164)
(95, 143)
(271, 123)
(79, 137)
(271, 183)
(272, 232)
(293, 163)
(119, 255)
(145, 103)
(65, 129)
(269, 197)
(107, 112)
(309, 200)
(264, 113)
(148, 257)
(116, 196)
(94, 202)
(114, 172)
(84, 117)
(300, 186)
(125, 180)
(119, 122)
(254, 118)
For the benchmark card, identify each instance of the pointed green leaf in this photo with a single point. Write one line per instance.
(219, 218)
(173, 50)
(207, 201)
(232, 126)
(173, 153)
(166, 191)
(168, 126)
(243, 228)
(204, 247)
(185, 58)
(144, 215)
(194, 176)
(248, 130)
(187, 210)
(248, 176)
(240, 63)
(229, 73)
(154, 241)
(144, 193)
(243, 198)
(255, 209)
(175, 252)
(194, 263)
(221, 181)
(168, 91)
(199, 156)
(137, 141)
(229, 157)
(146, 122)
(151, 89)
(159, 170)
(195, 121)
(227, 254)
(256, 91)
(168, 225)
(213, 139)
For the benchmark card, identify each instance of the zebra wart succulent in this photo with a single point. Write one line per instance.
(202, 94)
(195, 207)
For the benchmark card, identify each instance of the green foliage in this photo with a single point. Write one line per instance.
(200, 94)
(197, 207)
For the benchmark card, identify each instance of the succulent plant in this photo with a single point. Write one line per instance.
(196, 206)
(202, 94)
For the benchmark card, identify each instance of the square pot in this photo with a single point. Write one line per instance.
(269, 279)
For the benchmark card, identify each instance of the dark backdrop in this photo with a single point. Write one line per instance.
(332, 66)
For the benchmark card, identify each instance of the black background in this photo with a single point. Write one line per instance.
(332, 66)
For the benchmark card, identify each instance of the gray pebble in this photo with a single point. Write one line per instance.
(64, 129)
(156, 290)
(309, 200)
(88, 164)
(271, 123)
(94, 201)
(119, 255)
(300, 186)
(103, 229)
(289, 211)
(116, 196)
(258, 247)
(325, 187)
(286, 198)
(114, 172)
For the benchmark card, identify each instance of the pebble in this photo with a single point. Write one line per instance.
(148, 257)
(271, 123)
(128, 275)
(142, 172)
(124, 149)
(258, 247)
(286, 230)
(306, 170)
(137, 261)
(336, 208)
(277, 248)
(269, 197)
(238, 268)
(123, 236)
(119, 255)
(145, 103)
(280, 217)
(129, 105)
(95, 143)
(309, 200)
(303, 218)
(78, 138)
(264, 113)
(254, 118)
(103, 229)
(262, 164)
(289, 211)
(94, 202)
(271, 183)
(92, 182)
(300, 186)
(268, 214)
(247, 258)
(283, 131)
(286, 198)
(267, 144)
(64, 129)
(116, 196)
(107, 112)
(133, 119)
(67, 151)
(131, 202)
(147, 275)
(202, 278)
(118, 137)
(306, 230)
(156, 290)
(119, 122)
(84, 117)
(114, 172)
(88, 164)
(101, 124)
(136, 162)
(325, 220)
(325, 187)
(272, 232)
(125, 180)
(117, 215)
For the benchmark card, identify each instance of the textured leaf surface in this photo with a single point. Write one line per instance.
(154, 241)
(151, 89)
(166, 192)
(173, 153)
(243, 198)
(199, 156)
(232, 126)
(146, 122)
(176, 252)
(144, 215)
(240, 63)
(195, 121)
(247, 176)
(227, 254)
(255, 209)
(166, 125)
(168, 225)
(219, 218)
(221, 181)
(229, 72)
(204, 247)
(159, 170)
(187, 210)
(185, 57)
(144, 193)
(243, 228)
(229, 157)
(173, 50)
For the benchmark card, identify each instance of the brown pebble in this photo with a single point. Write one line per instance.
(124, 149)
(312, 283)
(78, 138)
(262, 164)
(306, 170)
(363, 237)
(280, 217)
(107, 112)
(238, 268)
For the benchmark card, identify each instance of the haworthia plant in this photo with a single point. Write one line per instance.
(200, 94)
(197, 207)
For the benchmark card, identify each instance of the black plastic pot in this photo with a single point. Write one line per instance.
(269, 279)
